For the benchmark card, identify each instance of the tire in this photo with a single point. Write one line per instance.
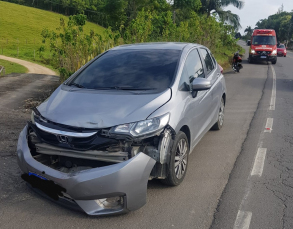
(219, 124)
(284, 55)
(274, 62)
(177, 167)
(250, 60)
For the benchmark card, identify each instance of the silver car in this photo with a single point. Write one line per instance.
(132, 114)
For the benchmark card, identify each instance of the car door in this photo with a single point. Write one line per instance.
(195, 108)
(211, 74)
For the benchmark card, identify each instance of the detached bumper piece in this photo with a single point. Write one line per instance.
(112, 189)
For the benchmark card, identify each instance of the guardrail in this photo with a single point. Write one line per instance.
(2, 70)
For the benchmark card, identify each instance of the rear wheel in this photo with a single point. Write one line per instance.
(219, 124)
(179, 160)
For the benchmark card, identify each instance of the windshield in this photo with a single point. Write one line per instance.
(281, 46)
(130, 69)
(264, 40)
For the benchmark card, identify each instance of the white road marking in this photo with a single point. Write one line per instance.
(269, 125)
(242, 220)
(273, 97)
(259, 162)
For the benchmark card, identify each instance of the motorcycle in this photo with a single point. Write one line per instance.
(236, 66)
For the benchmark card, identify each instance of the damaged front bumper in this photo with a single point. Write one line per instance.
(93, 190)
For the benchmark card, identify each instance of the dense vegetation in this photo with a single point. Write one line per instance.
(281, 22)
(132, 21)
(115, 13)
(21, 27)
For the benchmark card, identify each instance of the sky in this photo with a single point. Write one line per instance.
(254, 10)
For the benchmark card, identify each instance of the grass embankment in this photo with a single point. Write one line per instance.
(21, 27)
(224, 57)
(11, 67)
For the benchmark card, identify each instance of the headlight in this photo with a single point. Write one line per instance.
(274, 52)
(143, 127)
(285, 51)
(252, 51)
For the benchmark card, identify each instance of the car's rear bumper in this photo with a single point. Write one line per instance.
(127, 180)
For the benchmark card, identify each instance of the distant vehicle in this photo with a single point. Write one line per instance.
(282, 51)
(248, 42)
(263, 46)
(236, 63)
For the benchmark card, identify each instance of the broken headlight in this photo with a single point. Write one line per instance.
(36, 113)
(143, 127)
(33, 117)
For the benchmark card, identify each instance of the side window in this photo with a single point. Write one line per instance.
(192, 69)
(208, 60)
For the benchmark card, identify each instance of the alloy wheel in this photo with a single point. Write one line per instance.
(181, 158)
(221, 113)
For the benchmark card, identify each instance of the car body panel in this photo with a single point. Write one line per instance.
(182, 104)
(127, 178)
(84, 108)
(94, 109)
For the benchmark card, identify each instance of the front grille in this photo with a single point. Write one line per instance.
(264, 52)
(95, 142)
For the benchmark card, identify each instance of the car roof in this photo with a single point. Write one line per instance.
(156, 45)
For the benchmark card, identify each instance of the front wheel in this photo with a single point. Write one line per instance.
(177, 167)
(219, 124)
(274, 61)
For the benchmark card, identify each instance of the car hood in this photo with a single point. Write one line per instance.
(281, 49)
(100, 109)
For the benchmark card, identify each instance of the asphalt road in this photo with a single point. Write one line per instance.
(260, 189)
(190, 205)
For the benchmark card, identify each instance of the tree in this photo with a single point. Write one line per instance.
(238, 35)
(216, 6)
(248, 30)
(282, 23)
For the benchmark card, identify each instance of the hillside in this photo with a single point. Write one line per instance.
(21, 27)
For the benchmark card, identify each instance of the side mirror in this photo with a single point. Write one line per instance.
(200, 84)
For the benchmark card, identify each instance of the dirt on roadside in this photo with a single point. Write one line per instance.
(18, 94)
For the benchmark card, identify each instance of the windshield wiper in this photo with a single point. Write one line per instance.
(76, 85)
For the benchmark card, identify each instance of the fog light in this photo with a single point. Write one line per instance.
(111, 203)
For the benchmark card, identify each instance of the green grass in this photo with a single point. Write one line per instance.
(21, 27)
(11, 67)
(224, 56)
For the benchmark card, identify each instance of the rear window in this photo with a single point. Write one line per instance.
(146, 69)
(264, 40)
